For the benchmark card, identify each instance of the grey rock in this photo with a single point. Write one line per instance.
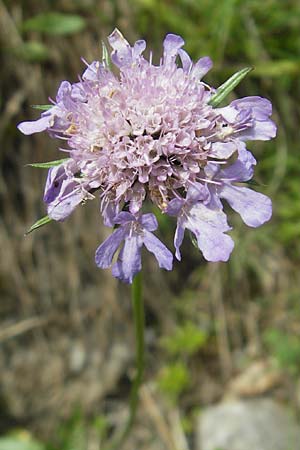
(257, 424)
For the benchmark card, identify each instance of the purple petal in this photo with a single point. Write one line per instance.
(201, 67)
(261, 107)
(149, 222)
(174, 206)
(197, 192)
(122, 54)
(185, 60)
(222, 150)
(244, 155)
(214, 200)
(91, 73)
(229, 113)
(55, 178)
(253, 207)
(105, 252)
(138, 48)
(129, 261)
(209, 226)
(172, 44)
(215, 246)
(109, 212)
(163, 256)
(178, 239)
(78, 93)
(36, 126)
(261, 131)
(238, 171)
(212, 170)
(124, 217)
(61, 208)
(63, 91)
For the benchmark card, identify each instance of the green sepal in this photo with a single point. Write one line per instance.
(48, 165)
(105, 57)
(42, 107)
(193, 240)
(228, 86)
(40, 223)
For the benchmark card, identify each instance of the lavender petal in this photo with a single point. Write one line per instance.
(129, 262)
(208, 226)
(149, 222)
(105, 252)
(254, 208)
(163, 256)
(36, 126)
(178, 239)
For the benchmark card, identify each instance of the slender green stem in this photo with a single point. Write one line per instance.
(139, 323)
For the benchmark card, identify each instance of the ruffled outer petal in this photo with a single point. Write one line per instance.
(64, 205)
(261, 131)
(254, 208)
(109, 212)
(55, 178)
(129, 262)
(124, 217)
(174, 206)
(149, 222)
(201, 67)
(222, 150)
(208, 226)
(105, 252)
(260, 110)
(163, 256)
(172, 44)
(185, 60)
(261, 107)
(122, 54)
(36, 126)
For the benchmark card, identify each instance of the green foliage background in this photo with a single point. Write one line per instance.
(201, 315)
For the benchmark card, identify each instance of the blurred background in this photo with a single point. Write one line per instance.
(216, 334)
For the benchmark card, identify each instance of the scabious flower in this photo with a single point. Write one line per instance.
(145, 131)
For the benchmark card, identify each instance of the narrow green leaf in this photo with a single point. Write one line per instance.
(228, 86)
(40, 223)
(48, 165)
(55, 23)
(105, 56)
(42, 107)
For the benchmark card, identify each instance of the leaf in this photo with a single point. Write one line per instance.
(40, 223)
(228, 86)
(32, 51)
(55, 23)
(48, 165)
(18, 443)
(42, 107)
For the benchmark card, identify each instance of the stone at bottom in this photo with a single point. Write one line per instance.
(257, 424)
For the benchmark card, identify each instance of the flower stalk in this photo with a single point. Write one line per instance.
(139, 325)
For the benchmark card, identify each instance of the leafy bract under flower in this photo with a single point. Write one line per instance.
(148, 131)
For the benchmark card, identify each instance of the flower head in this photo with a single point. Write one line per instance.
(148, 131)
